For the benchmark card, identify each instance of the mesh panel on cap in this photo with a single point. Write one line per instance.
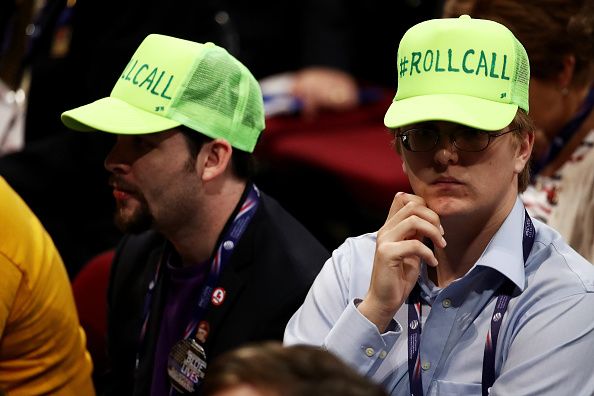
(222, 100)
(254, 114)
(521, 77)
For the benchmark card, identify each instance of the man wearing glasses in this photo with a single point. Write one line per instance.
(459, 292)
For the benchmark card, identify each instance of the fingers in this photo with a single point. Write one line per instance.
(401, 199)
(399, 252)
(413, 227)
(410, 218)
(396, 268)
(405, 205)
(395, 253)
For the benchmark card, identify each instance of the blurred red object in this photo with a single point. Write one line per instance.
(90, 294)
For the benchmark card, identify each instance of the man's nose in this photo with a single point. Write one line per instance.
(116, 162)
(446, 151)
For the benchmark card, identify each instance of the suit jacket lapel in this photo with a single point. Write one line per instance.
(145, 369)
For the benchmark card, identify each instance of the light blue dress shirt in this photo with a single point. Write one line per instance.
(546, 342)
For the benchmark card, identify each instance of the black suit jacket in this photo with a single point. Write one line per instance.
(266, 280)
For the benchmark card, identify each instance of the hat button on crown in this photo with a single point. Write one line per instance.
(465, 17)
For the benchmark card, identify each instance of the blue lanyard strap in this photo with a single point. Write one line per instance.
(414, 343)
(488, 378)
(223, 253)
(503, 294)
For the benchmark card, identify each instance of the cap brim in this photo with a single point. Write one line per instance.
(115, 116)
(471, 111)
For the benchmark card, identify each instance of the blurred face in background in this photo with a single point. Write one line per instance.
(547, 110)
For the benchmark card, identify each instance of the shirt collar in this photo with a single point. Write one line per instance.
(504, 253)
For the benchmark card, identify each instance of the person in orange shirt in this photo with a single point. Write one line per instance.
(42, 346)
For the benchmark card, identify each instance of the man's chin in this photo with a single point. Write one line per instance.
(447, 206)
(132, 224)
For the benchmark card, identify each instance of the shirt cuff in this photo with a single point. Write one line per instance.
(358, 341)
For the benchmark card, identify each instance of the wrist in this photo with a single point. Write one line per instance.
(377, 314)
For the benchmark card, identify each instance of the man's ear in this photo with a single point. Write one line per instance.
(216, 157)
(524, 150)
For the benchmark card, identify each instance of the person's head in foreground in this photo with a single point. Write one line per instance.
(460, 117)
(187, 116)
(269, 369)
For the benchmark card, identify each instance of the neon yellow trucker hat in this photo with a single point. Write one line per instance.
(171, 82)
(468, 71)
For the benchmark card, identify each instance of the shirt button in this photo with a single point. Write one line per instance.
(426, 366)
(383, 354)
(446, 303)
(369, 352)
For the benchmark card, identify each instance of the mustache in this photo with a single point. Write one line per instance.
(120, 184)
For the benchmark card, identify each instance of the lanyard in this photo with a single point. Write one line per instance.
(565, 135)
(503, 297)
(223, 252)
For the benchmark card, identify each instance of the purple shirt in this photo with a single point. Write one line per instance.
(183, 288)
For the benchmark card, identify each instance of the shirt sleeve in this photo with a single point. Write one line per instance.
(11, 280)
(329, 318)
(551, 353)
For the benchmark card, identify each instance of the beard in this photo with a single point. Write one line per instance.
(140, 219)
(137, 222)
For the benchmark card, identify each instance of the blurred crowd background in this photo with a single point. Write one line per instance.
(57, 54)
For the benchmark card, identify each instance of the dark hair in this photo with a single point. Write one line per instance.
(549, 30)
(243, 163)
(287, 371)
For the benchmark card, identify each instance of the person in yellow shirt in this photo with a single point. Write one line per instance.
(42, 346)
